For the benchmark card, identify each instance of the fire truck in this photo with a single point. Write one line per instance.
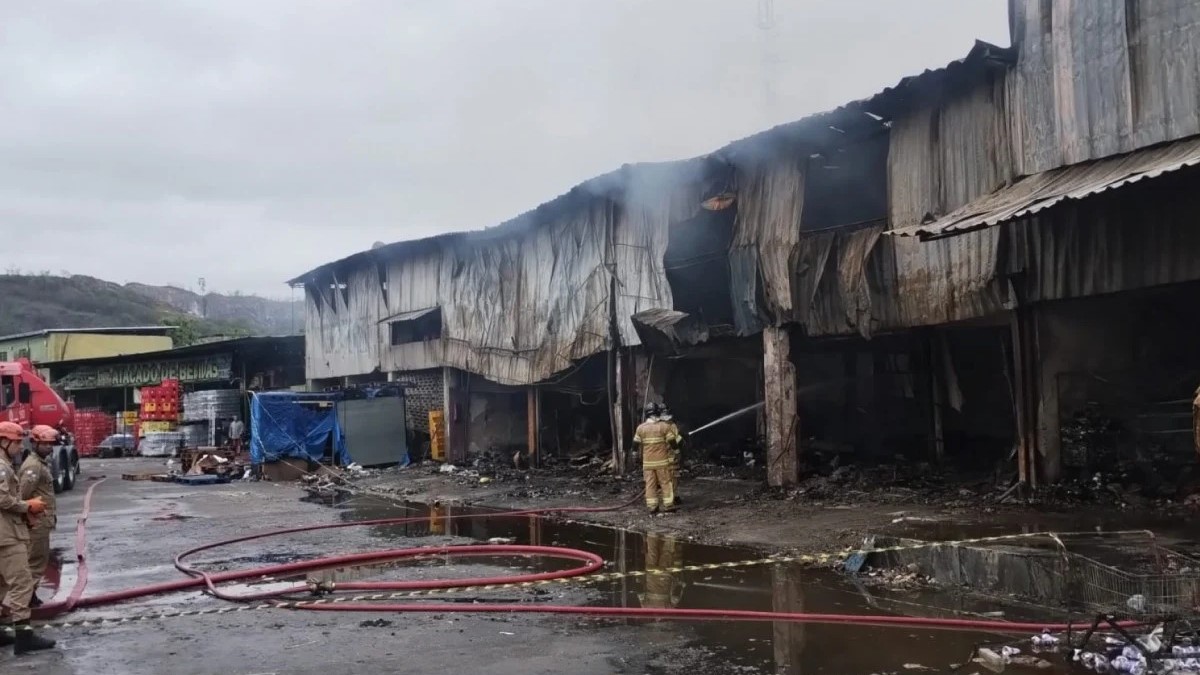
(26, 399)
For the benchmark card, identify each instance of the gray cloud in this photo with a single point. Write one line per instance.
(246, 142)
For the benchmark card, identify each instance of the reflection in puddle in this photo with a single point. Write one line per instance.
(785, 648)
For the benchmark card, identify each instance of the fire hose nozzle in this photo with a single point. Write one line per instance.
(320, 587)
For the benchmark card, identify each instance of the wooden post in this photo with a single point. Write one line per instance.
(933, 361)
(532, 415)
(620, 456)
(1025, 392)
(782, 420)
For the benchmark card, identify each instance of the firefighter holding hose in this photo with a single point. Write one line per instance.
(656, 438)
(664, 415)
(36, 480)
(16, 584)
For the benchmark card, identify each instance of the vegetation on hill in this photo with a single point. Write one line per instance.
(37, 302)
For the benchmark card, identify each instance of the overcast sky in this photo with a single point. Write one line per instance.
(247, 141)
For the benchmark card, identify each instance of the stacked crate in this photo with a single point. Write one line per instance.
(91, 428)
(160, 408)
(160, 404)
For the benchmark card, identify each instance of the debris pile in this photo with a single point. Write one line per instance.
(1153, 653)
(896, 579)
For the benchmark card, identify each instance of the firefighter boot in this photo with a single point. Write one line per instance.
(25, 640)
(6, 634)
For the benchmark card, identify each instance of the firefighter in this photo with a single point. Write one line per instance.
(664, 415)
(37, 481)
(16, 586)
(662, 589)
(656, 438)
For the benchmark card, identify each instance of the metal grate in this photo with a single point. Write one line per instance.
(1145, 578)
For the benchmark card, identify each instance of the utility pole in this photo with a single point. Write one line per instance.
(770, 59)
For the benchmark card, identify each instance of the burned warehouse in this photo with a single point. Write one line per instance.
(914, 372)
(968, 268)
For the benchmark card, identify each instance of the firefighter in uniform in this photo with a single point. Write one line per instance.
(664, 415)
(16, 586)
(656, 438)
(37, 481)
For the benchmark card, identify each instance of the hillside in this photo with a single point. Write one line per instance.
(262, 315)
(35, 302)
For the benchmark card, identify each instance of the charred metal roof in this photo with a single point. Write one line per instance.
(118, 330)
(847, 124)
(285, 344)
(1049, 188)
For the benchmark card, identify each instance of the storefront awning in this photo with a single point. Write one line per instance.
(1044, 190)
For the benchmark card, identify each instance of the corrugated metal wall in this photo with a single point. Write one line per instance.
(1100, 77)
(1138, 237)
(766, 232)
(1093, 78)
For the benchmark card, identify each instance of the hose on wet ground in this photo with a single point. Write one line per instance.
(589, 563)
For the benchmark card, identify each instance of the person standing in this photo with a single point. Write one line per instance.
(236, 430)
(655, 438)
(36, 480)
(664, 414)
(16, 585)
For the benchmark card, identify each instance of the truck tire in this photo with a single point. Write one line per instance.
(56, 471)
(68, 470)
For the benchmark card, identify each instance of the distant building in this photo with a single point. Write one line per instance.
(67, 344)
(249, 364)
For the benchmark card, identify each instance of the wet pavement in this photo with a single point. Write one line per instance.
(137, 527)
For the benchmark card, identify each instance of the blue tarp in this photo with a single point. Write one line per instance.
(280, 426)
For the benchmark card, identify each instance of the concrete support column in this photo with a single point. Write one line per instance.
(782, 420)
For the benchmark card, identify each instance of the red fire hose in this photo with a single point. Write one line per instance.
(589, 563)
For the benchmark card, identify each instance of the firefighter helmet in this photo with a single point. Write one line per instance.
(42, 433)
(651, 410)
(11, 431)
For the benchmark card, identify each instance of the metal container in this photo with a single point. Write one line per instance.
(214, 404)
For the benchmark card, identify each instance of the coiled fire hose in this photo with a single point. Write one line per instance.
(589, 563)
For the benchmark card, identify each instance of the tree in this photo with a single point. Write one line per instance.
(186, 329)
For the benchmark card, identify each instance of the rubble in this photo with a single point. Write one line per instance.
(907, 578)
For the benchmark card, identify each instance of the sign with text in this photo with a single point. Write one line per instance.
(213, 368)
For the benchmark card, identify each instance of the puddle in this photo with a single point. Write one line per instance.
(747, 647)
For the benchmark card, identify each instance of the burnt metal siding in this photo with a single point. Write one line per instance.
(948, 280)
(844, 283)
(1101, 77)
(943, 153)
(514, 308)
(340, 328)
(640, 238)
(948, 151)
(1077, 182)
(1136, 238)
(766, 231)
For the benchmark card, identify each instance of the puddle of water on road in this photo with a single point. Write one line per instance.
(777, 648)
